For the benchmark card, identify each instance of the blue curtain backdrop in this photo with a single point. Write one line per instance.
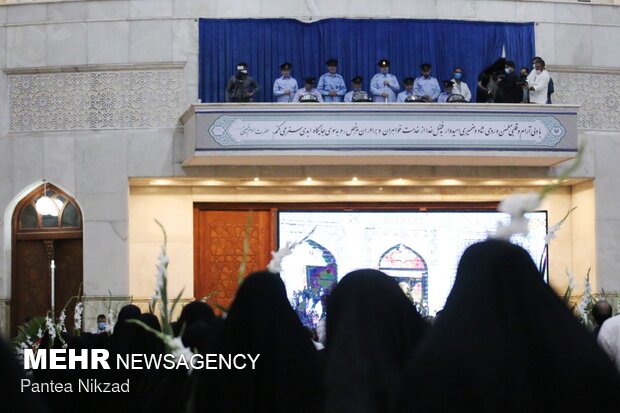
(357, 44)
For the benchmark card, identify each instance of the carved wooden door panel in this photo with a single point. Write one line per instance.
(69, 268)
(31, 282)
(218, 250)
(32, 279)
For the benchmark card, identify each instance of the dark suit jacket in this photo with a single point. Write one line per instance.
(508, 91)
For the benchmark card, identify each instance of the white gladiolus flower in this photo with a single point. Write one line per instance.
(582, 305)
(162, 268)
(178, 350)
(50, 328)
(519, 204)
(61, 321)
(516, 205)
(110, 318)
(571, 280)
(275, 265)
(552, 233)
(77, 316)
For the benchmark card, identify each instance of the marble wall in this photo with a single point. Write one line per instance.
(596, 94)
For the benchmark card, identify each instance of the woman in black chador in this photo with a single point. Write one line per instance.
(371, 330)
(506, 343)
(286, 380)
(15, 399)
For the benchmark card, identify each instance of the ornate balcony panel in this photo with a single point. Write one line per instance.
(374, 133)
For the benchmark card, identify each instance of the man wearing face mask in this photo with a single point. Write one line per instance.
(538, 82)
(102, 326)
(508, 89)
(426, 87)
(460, 87)
(384, 86)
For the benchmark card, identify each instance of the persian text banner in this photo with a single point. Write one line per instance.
(397, 127)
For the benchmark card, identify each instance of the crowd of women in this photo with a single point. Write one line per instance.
(504, 342)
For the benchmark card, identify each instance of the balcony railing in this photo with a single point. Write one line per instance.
(375, 133)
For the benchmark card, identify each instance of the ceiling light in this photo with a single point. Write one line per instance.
(45, 205)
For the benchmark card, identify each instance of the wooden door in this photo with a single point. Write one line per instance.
(219, 249)
(31, 292)
(36, 240)
(69, 268)
(31, 282)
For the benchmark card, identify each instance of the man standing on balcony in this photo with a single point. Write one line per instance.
(285, 87)
(460, 87)
(426, 87)
(384, 86)
(241, 87)
(538, 82)
(331, 84)
(508, 88)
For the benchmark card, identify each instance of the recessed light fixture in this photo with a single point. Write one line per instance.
(256, 179)
(354, 179)
(309, 179)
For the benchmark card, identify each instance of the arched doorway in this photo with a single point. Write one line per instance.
(36, 240)
(406, 265)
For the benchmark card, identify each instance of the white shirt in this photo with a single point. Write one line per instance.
(461, 89)
(540, 83)
(609, 339)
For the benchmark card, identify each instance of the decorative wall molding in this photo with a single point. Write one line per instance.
(584, 69)
(96, 99)
(598, 95)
